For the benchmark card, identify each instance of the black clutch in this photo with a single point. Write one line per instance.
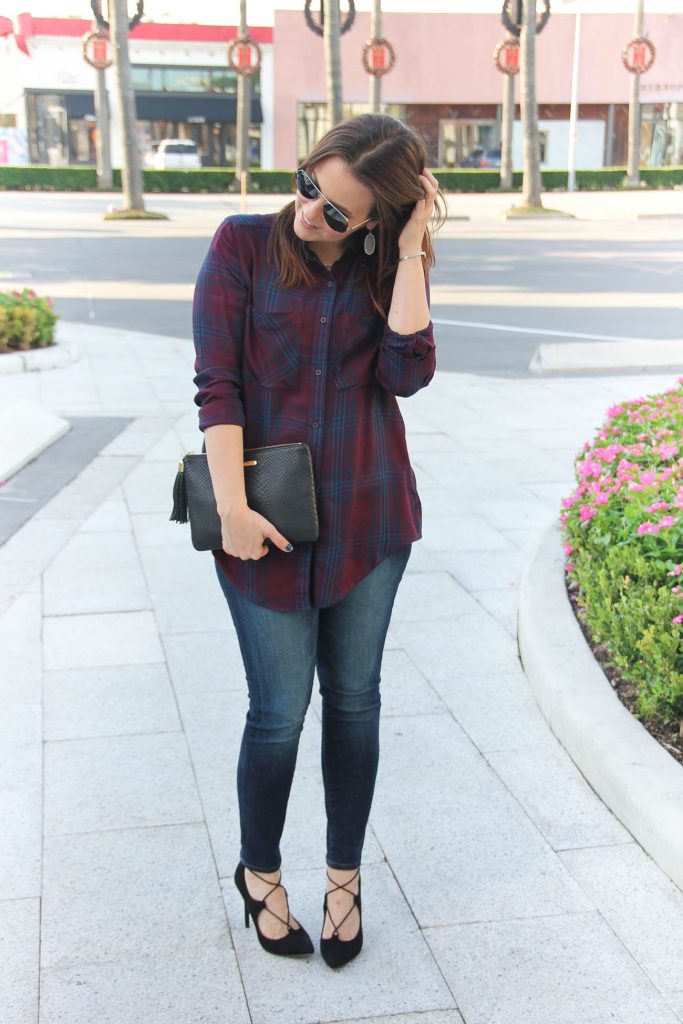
(279, 485)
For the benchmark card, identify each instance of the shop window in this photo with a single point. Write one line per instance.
(313, 121)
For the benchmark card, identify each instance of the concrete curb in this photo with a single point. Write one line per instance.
(634, 776)
(640, 356)
(61, 354)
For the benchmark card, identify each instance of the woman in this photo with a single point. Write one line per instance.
(307, 324)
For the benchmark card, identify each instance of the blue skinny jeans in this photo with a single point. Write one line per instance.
(281, 651)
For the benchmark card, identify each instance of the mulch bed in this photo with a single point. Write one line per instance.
(665, 733)
(6, 350)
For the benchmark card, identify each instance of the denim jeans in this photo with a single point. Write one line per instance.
(281, 651)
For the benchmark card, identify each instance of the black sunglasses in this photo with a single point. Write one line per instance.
(334, 218)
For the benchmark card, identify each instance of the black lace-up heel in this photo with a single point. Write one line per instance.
(336, 951)
(297, 941)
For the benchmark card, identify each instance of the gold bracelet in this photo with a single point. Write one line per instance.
(412, 255)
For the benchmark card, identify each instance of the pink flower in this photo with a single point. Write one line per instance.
(569, 567)
(677, 569)
(568, 548)
(568, 502)
(614, 410)
(648, 477)
(678, 619)
(601, 499)
(666, 521)
(658, 506)
(647, 527)
(667, 451)
(586, 513)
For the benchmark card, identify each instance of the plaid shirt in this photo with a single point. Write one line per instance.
(318, 365)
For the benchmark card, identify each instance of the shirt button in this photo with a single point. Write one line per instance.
(330, 284)
(315, 424)
(323, 319)
(318, 372)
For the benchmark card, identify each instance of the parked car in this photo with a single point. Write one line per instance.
(176, 154)
(480, 157)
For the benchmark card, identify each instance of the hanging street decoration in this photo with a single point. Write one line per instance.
(345, 23)
(103, 24)
(506, 57)
(638, 55)
(378, 56)
(244, 55)
(95, 50)
(515, 27)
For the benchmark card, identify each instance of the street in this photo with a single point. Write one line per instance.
(499, 288)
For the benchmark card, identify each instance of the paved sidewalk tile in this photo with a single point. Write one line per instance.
(19, 949)
(116, 782)
(117, 638)
(556, 796)
(183, 987)
(199, 661)
(547, 970)
(83, 591)
(108, 701)
(394, 973)
(459, 843)
(641, 904)
(117, 895)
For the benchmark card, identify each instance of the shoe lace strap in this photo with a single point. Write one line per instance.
(276, 885)
(337, 886)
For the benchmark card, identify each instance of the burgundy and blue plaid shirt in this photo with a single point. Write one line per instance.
(319, 365)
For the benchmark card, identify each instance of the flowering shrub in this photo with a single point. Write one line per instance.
(623, 530)
(26, 321)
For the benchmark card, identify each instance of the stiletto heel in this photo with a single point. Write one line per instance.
(336, 951)
(297, 941)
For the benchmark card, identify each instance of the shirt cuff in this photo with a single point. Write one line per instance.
(416, 345)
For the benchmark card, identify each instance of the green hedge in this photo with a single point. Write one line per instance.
(623, 528)
(222, 179)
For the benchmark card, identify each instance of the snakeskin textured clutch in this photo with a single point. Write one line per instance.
(279, 485)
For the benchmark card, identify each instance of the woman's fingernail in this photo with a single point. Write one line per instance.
(289, 548)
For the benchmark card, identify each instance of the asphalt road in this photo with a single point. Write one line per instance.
(499, 289)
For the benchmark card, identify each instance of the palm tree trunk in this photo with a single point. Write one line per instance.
(633, 167)
(131, 173)
(243, 104)
(531, 187)
(332, 61)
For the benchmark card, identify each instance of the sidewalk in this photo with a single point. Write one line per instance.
(497, 888)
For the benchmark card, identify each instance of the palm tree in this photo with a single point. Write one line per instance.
(131, 171)
(531, 185)
(332, 61)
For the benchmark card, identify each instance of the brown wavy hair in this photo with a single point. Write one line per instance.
(386, 156)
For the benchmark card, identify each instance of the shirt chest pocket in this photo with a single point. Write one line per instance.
(272, 348)
(359, 338)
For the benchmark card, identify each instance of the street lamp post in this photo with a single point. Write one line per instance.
(633, 166)
(574, 106)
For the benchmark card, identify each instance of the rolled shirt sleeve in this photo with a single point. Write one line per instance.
(218, 316)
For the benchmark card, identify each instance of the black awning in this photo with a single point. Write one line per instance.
(196, 107)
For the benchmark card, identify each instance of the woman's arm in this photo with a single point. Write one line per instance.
(407, 355)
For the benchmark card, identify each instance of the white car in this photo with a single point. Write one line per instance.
(176, 154)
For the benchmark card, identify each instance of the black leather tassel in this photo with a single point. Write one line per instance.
(179, 513)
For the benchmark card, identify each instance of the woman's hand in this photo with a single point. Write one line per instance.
(410, 239)
(244, 532)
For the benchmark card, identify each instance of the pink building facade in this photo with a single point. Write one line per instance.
(445, 84)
